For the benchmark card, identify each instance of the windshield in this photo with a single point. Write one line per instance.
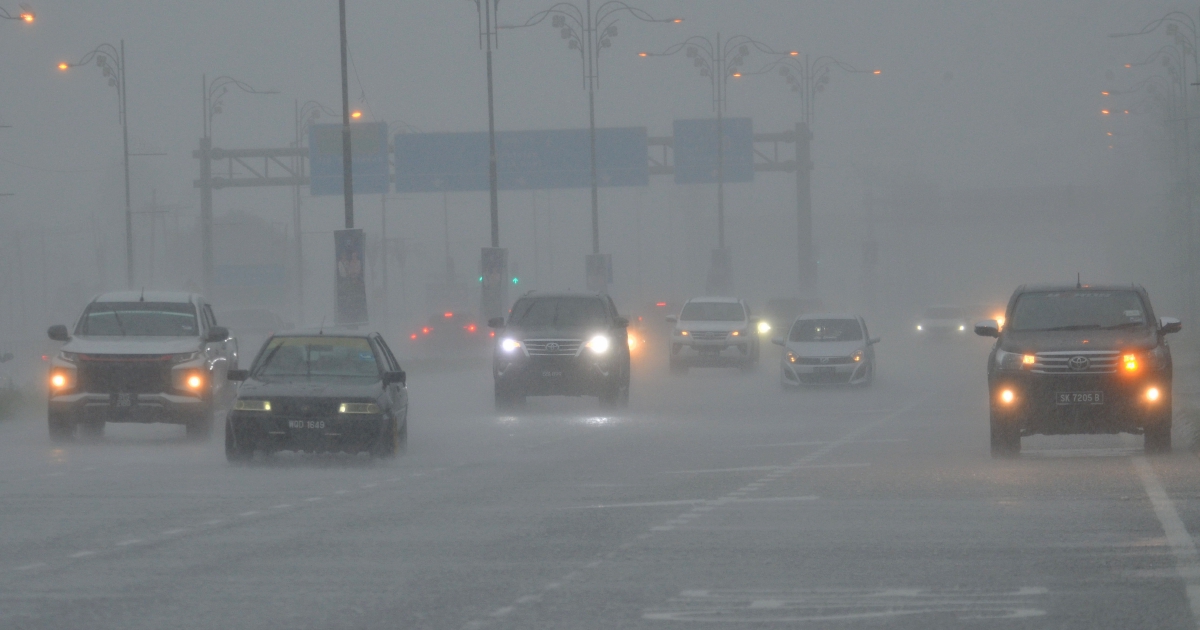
(826, 330)
(712, 312)
(1078, 310)
(320, 356)
(138, 319)
(559, 312)
(944, 312)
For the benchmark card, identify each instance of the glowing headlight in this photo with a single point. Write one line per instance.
(919, 327)
(764, 328)
(736, 333)
(598, 344)
(188, 380)
(1130, 361)
(858, 356)
(961, 327)
(62, 379)
(509, 345)
(633, 342)
(252, 405)
(791, 357)
(1007, 396)
(1153, 394)
(358, 408)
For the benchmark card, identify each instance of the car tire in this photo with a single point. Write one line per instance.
(235, 451)
(61, 426)
(1005, 439)
(92, 429)
(199, 427)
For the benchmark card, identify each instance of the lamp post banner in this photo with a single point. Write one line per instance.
(368, 158)
(350, 278)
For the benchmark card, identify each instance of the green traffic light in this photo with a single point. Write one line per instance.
(481, 278)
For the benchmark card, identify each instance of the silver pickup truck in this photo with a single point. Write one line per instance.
(140, 357)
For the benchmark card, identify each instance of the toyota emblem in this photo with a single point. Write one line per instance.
(552, 347)
(1079, 363)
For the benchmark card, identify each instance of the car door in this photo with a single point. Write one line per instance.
(397, 393)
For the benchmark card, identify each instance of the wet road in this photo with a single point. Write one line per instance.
(716, 500)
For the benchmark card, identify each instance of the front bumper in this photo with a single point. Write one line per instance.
(708, 353)
(1035, 409)
(555, 375)
(350, 433)
(837, 374)
(137, 408)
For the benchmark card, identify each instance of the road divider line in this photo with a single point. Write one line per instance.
(723, 470)
(1183, 546)
(30, 567)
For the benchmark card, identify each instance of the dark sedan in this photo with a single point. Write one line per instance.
(319, 392)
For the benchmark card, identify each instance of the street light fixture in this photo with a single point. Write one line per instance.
(114, 71)
(590, 32)
(25, 15)
(718, 61)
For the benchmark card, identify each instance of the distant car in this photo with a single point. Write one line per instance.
(827, 349)
(561, 344)
(319, 391)
(449, 331)
(714, 332)
(1078, 359)
(142, 357)
(253, 326)
(943, 321)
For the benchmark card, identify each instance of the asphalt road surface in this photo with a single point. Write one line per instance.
(716, 501)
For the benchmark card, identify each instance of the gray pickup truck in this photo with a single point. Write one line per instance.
(141, 357)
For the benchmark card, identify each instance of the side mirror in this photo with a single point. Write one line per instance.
(1168, 325)
(395, 377)
(872, 341)
(237, 375)
(58, 332)
(778, 341)
(621, 322)
(217, 334)
(671, 319)
(496, 322)
(987, 328)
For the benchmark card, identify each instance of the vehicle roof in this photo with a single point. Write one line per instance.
(1087, 287)
(554, 294)
(723, 300)
(179, 297)
(808, 316)
(328, 331)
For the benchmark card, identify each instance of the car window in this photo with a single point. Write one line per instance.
(713, 312)
(386, 352)
(809, 330)
(139, 319)
(1078, 310)
(317, 357)
(559, 312)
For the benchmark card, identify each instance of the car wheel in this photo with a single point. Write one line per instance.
(61, 425)
(199, 427)
(1005, 438)
(92, 429)
(235, 451)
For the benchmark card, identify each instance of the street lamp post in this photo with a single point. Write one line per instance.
(24, 15)
(493, 261)
(116, 79)
(808, 77)
(718, 61)
(590, 32)
(211, 94)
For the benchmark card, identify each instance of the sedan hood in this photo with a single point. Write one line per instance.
(311, 388)
(702, 326)
(1067, 340)
(132, 345)
(583, 333)
(824, 348)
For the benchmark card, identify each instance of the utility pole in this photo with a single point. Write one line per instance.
(804, 231)
(347, 175)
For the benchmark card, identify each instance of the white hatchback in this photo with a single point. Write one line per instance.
(833, 349)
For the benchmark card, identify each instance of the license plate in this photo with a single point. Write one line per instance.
(306, 424)
(123, 400)
(1079, 398)
(551, 373)
(825, 370)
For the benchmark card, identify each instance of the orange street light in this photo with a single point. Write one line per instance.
(356, 114)
(878, 72)
(27, 16)
(737, 75)
(1128, 65)
(642, 54)
(64, 66)
(678, 20)
(1104, 111)
(1104, 94)
(795, 53)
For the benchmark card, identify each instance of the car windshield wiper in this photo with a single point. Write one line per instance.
(1125, 325)
(1075, 327)
(118, 318)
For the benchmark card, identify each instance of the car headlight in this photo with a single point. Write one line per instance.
(920, 327)
(252, 405)
(189, 380)
(509, 345)
(1012, 361)
(764, 328)
(69, 357)
(962, 327)
(736, 333)
(599, 344)
(857, 356)
(185, 357)
(681, 333)
(358, 408)
(62, 379)
(791, 357)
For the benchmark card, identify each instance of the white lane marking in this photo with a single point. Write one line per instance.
(810, 466)
(131, 541)
(82, 554)
(778, 499)
(1183, 546)
(643, 504)
(249, 513)
(529, 599)
(30, 567)
(172, 532)
(215, 521)
(313, 499)
(722, 470)
(501, 612)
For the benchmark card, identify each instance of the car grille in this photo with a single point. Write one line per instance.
(553, 347)
(126, 374)
(303, 408)
(825, 360)
(709, 335)
(1075, 362)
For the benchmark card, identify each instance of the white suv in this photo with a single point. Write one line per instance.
(714, 332)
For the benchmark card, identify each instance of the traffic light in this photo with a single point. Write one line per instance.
(516, 280)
